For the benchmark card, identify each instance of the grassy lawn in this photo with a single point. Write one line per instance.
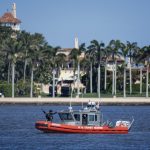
(107, 95)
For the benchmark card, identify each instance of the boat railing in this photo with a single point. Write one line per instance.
(107, 123)
(131, 123)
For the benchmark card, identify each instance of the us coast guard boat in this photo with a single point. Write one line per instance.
(86, 120)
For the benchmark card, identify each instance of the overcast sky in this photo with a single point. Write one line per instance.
(61, 20)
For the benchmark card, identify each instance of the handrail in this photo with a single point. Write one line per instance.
(131, 123)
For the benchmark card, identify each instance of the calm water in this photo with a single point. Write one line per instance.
(17, 130)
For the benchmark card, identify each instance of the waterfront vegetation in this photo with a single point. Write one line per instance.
(27, 60)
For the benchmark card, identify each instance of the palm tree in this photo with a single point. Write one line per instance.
(107, 52)
(75, 55)
(6, 33)
(146, 57)
(74, 58)
(55, 60)
(99, 48)
(2, 59)
(12, 48)
(131, 47)
(85, 67)
(115, 46)
(59, 60)
(26, 39)
(124, 52)
(91, 57)
(47, 52)
(141, 62)
(35, 55)
(137, 53)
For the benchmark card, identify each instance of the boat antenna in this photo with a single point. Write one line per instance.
(82, 99)
(70, 107)
(99, 99)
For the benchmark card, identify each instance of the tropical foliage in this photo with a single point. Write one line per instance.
(27, 58)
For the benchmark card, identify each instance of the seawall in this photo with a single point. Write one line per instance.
(57, 101)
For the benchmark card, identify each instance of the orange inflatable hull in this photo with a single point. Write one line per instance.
(46, 126)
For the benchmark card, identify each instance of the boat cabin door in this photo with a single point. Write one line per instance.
(84, 119)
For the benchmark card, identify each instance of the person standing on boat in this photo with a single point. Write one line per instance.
(49, 115)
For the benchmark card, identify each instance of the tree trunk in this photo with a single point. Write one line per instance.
(78, 80)
(99, 76)
(105, 85)
(130, 80)
(115, 78)
(140, 80)
(24, 71)
(31, 87)
(113, 74)
(124, 83)
(53, 83)
(8, 78)
(74, 71)
(13, 78)
(147, 76)
(91, 78)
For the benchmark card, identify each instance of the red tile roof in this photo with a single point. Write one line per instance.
(9, 18)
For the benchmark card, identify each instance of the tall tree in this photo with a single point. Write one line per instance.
(107, 53)
(146, 57)
(131, 48)
(12, 48)
(26, 38)
(35, 55)
(124, 54)
(91, 57)
(140, 62)
(56, 61)
(76, 56)
(115, 46)
(5, 34)
(99, 48)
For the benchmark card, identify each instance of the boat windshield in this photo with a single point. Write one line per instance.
(65, 116)
(77, 117)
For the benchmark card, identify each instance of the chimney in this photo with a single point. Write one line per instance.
(76, 43)
(14, 10)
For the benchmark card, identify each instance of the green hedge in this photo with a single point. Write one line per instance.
(5, 89)
(21, 89)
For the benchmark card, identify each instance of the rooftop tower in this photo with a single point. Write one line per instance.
(76, 43)
(14, 10)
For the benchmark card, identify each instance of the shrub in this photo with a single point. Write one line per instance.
(5, 89)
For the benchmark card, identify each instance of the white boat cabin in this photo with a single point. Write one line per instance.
(89, 116)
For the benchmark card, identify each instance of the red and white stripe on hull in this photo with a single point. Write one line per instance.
(65, 128)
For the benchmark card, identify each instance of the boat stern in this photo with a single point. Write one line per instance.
(125, 123)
